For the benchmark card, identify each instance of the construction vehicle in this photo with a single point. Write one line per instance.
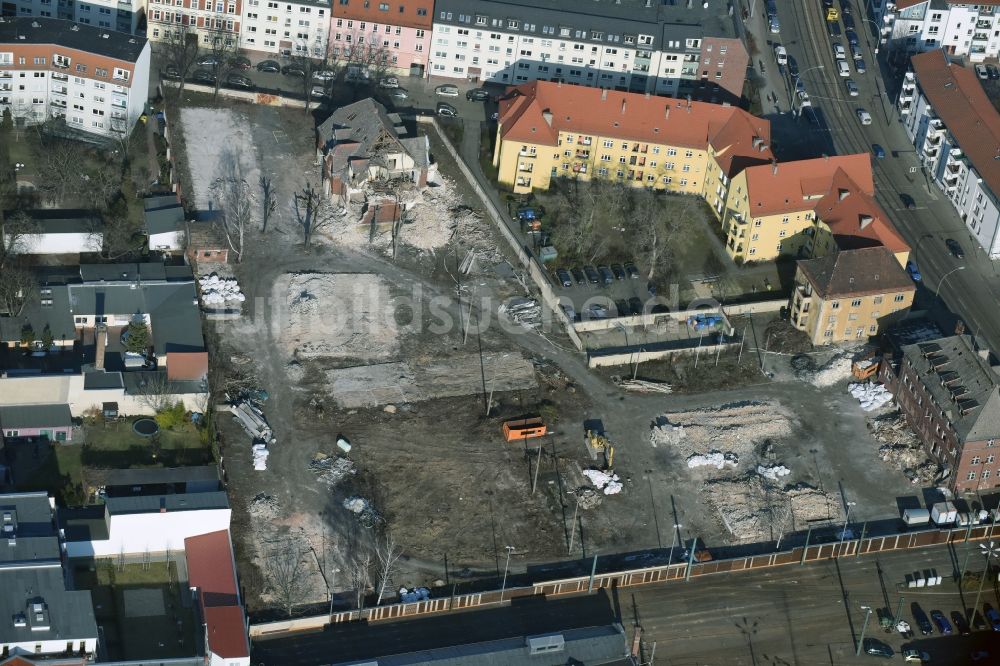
(866, 366)
(597, 442)
(518, 430)
(832, 14)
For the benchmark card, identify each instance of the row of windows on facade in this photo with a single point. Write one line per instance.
(363, 25)
(64, 62)
(562, 31)
(203, 22)
(384, 7)
(220, 7)
(608, 143)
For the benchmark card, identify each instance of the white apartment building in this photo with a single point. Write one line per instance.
(209, 18)
(97, 79)
(121, 15)
(300, 27)
(955, 131)
(968, 29)
(628, 45)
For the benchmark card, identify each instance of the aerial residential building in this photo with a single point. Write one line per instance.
(57, 231)
(398, 29)
(97, 79)
(849, 295)
(548, 130)
(806, 208)
(675, 49)
(211, 20)
(956, 130)
(127, 17)
(165, 223)
(959, 27)
(949, 392)
(288, 27)
(41, 615)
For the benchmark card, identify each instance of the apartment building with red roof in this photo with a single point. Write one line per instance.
(213, 582)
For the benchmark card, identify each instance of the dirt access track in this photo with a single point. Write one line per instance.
(427, 459)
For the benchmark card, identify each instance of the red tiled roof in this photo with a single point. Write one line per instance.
(960, 102)
(210, 568)
(855, 219)
(226, 632)
(537, 111)
(792, 186)
(187, 365)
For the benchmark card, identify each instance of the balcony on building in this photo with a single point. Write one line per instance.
(579, 167)
(583, 154)
(525, 168)
(58, 103)
(584, 140)
(527, 153)
(59, 76)
(955, 153)
(59, 90)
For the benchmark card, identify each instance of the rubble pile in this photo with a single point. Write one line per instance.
(715, 459)
(588, 498)
(263, 507)
(900, 447)
(416, 594)
(331, 470)
(260, 454)
(607, 482)
(773, 472)
(217, 292)
(835, 370)
(526, 312)
(363, 509)
(872, 397)
(729, 429)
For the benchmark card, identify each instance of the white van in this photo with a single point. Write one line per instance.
(843, 68)
(781, 55)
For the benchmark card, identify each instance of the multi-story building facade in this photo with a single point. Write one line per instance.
(400, 30)
(849, 295)
(956, 130)
(959, 27)
(549, 130)
(97, 79)
(288, 27)
(120, 15)
(950, 395)
(209, 19)
(675, 50)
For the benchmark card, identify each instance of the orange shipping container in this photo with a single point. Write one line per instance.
(521, 429)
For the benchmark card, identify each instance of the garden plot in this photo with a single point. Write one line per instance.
(429, 378)
(219, 144)
(335, 315)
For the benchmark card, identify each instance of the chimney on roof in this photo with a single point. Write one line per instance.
(647, 95)
(547, 115)
(757, 141)
(666, 112)
(100, 344)
(604, 94)
(866, 220)
(774, 167)
(623, 106)
(842, 194)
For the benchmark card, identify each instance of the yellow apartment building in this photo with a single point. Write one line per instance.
(549, 130)
(849, 295)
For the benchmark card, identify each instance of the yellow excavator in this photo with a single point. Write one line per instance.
(598, 442)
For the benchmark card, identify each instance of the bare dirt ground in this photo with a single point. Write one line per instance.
(434, 471)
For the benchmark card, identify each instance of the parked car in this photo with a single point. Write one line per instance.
(833, 29)
(578, 275)
(171, 72)
(859, 66)
(864, 117)
(843, 69)
(878, 151)
(961, 626)
(993, 71)
(852, 87)
(203, 76)
(293, 70)
(635, 305)
(400, 93)
(388, 82)
(317, 92)
(477, 95)
(774, 25)
(911, 268)
(592, 276)
(992, 616)
(446, 110)
(239, 81)
(207, 61)
(852, 37)
(955, 249)
(876, 648)
(619, 271)
(564, 279)
(982, 72)
(856, 52)
(845, 7)
(793, 67)
(912, 656)
(324, 75)
(848, 20)
(943, 625)
(920, 617)
(838, 52)
(632, 271)
(447, 90)
(607, 277)
(240, 62)
(622, 306)
(272, 66)
(907, 201)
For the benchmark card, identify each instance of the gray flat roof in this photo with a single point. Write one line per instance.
(61, 220)
(98, 380)
(157, 475)
(42, 30)
(85, 523)
(14, 417)
(70, 613)
(153, 503)
(164, 220)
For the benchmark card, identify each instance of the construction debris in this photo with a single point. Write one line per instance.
(872, 397)
(643, 385)
(526, 312)
(330, 470)
(220, 292)
(416, 594)
(732, 428)
(607, 482)
(773, 472)
(260, 454)
(715, 459)
(588, 498)
(901, 448)
(362, 508)
(264, 507)
(251, 418)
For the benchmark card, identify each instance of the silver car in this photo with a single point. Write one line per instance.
(852, 87)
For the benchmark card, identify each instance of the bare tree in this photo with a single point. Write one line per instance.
(122, 235)
(222, 47)
(312, 210)
(14, 233)
(17, 287)
(236, 201)
(359, 569)
(388, 553)
(180, 44)
(286, 575)
(365, 57)
(154, 391)
(268, 201)
(59, 160)
(652, 231)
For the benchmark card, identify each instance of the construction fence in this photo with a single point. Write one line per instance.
(629, 578)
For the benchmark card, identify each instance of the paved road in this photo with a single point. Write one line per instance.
(792, 615)
(971, 293)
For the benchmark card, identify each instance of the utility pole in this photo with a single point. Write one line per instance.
(593, 571)
(864, 627)
(743, 339)
(694, 547)
(861, 540)
(805, 549)
(503, 586)
(673, 543)
(538, 466)
(843, 534)
(572, 533)
(989, 550)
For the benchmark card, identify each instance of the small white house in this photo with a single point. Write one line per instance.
(165, 224)
(57, 231)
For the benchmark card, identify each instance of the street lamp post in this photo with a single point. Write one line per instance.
(864, 627)
(673, 543)
(989, 550)
(503, 586)
(937, 292)
(843, 533)
(333, 586)
(791, 95)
